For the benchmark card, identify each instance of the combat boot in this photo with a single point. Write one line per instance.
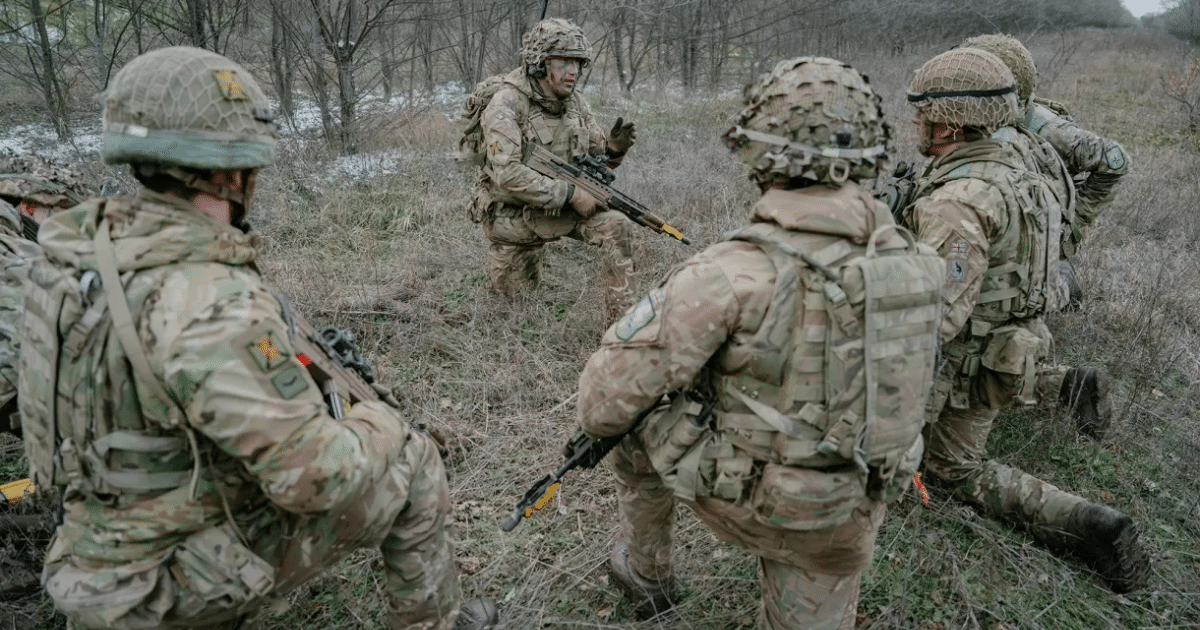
(649, 597)
(1084, 395)
(1066, 271)
(477, 614)
(1107, 541)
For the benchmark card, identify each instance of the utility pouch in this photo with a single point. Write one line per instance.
(1009, 367)
(805, 499)
(216, 573)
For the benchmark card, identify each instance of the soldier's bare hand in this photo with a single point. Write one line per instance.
(584, 203)
(621, 137)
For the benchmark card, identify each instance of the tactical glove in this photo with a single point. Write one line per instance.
(621, 138)
(583, 202)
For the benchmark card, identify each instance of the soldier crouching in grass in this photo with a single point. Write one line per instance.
(782, 373)
(522, 210)
(159, 383)
(991, 217)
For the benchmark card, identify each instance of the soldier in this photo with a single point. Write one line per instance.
(30, 190)
(522, 210)
(981, 206)
(1096, 162)
(38, 188)
(772, 426)
(203, 475)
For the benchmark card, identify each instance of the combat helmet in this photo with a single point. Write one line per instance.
(554, 37)
(965, 88)
(1015, 55)
(44, 183)
(812, 119)
(187, 107)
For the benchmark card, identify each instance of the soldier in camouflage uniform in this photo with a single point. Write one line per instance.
(762, 414)
(522, 210)
(985, 210)
(159, 384)
(30, 190)
(1096, 164)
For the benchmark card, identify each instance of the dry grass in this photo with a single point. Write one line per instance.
(397, 260)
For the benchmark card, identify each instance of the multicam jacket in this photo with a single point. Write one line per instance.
(753, 326)
(1101, 159)
(516, 115)
(245, 430)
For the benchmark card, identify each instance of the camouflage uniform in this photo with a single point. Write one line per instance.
(203, 474)
(1096, 162)
(994, 220)
(774, 471)
(15, 254)
(522, 210)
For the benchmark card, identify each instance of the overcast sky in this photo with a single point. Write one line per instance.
(1141, 7)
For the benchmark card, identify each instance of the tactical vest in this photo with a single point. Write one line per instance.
(565, 135)
(85, 377)
(829, 400)
(1025, 285)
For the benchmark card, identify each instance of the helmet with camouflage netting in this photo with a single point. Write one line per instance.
(45, 183)
(1015, 55)
(187, 107)
(964, 88)
(813, 119)
(555, 37)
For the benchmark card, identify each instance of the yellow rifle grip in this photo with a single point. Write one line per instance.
(16, 490)
(545, 498)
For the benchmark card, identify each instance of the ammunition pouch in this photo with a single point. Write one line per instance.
(806, 498)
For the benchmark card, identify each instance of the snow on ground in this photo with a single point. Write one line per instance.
(304, 127)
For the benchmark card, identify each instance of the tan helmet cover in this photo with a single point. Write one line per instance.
(555, 37)
(965, 87)
(1015, 55)
(812, 118)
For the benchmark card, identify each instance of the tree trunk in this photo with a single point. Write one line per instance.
(56, 104)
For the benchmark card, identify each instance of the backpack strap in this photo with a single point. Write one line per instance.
(122, 322)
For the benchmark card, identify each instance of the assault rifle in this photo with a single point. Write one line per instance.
(591, 173)
(335, 363)
(899, 193)
(584, 452)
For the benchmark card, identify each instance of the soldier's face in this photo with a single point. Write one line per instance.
(561, 75)
(34, 210)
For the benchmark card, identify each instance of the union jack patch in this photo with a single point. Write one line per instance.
(960, 248)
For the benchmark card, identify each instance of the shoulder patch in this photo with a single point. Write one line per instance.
(956, 270)
(958, 248)
(1006, 134)
(266, 351)
(289, 382)
(960, 172)
(1114, 157)
(639, 316)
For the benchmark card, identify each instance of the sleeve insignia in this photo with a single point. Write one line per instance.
(266, 352)
(289, 382)
(637, 317)
(956, 270)
(959, 248)
(230, 85)
(1115, 158)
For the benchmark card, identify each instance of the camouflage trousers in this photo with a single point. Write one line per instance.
(405, 515)
(956, 456)
(810, 579)
(516, 243)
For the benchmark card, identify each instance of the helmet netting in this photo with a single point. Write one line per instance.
(1015, 55)
(812, 118)
(196, 98)
(965, 87)
(555, 37)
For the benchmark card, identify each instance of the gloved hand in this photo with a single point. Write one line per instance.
(583, 202)
(385, 395)
(621, 137)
